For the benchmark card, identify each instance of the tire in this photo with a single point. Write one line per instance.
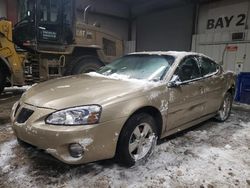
(225, 109)
(3, 77)
(133, 146)
(86, 64)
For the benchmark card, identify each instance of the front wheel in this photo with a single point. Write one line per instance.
(225, 109)
(137, 139)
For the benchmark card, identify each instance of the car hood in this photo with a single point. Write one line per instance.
(82, 90)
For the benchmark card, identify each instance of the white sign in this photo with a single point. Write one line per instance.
(231, 17)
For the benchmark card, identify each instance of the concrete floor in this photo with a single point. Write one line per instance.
(209, 155)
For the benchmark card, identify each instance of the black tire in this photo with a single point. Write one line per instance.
(225, 109)
(3, 77)
(86, 64)
(123, 154)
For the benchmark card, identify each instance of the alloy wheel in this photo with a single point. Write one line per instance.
(141, 141)
(225, 108)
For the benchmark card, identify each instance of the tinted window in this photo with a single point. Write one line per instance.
(25, 7)
(207, 66)
(188, 69)
(49, 11)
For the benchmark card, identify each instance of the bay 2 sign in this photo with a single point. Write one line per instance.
(227, 17)
(225, 22)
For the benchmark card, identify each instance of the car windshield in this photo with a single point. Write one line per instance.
(144, 67)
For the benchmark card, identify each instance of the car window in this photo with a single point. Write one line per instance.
(207, 66)
(188, 70)
(138, 66)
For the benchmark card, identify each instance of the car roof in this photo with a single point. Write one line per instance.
(177, 54)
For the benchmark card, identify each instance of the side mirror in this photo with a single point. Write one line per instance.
(175, 81)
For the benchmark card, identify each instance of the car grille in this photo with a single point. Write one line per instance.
(24, 115)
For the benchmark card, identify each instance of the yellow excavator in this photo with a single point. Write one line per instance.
(52, 39)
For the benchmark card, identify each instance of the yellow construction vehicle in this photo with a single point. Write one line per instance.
(11, 62)
(52, 39)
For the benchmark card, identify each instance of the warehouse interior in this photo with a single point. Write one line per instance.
(136, 21)
(206, 156)
(217, 28)
(164, 25)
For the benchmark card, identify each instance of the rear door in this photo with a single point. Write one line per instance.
(186, 102)
(212, 83)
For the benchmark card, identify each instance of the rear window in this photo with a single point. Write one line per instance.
(207, 66)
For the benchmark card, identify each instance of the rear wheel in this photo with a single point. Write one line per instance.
(225, 108)
(3, 77)
(86, 64)
(137, 139)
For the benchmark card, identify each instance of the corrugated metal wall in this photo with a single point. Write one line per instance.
(216, 24)
(170, 29)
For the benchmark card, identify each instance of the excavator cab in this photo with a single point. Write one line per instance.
(44, 23)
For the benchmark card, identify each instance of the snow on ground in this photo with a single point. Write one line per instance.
(209, 155)
(6, 153)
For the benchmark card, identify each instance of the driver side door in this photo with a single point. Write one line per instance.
(186, 101)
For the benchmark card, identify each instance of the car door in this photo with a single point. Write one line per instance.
(185, 100)
(212, 83)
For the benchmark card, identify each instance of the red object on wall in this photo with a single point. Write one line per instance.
(12, 10)
(232, 48)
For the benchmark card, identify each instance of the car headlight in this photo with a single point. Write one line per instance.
(75, 116)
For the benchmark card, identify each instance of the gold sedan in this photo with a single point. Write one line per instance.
(122, 109)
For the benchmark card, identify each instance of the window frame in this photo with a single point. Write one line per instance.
(182, 61)
(49, 11)
(218, 67)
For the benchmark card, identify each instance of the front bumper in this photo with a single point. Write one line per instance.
(99, 141)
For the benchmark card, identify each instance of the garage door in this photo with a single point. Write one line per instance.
(170, 29)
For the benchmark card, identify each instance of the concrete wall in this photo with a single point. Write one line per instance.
(3, 9)
(170, 29)
(116, 26)
(109, 14)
